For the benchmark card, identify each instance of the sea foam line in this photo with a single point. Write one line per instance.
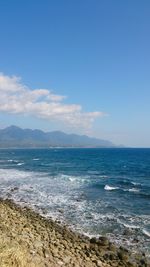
(109, 188)
(145, 232)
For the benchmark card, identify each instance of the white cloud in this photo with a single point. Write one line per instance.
(19, 99)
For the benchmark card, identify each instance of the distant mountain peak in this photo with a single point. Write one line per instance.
(14, 136)
(13, 127)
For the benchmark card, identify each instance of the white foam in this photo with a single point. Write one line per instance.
(134, 190)
(131, 190)
(134, 183)
(20, 163)
(26, 187)
(109, 188)
(103, 217)
(145, 232)
(131, 226)
(65, 198)
(13, 174)
(36, 159)
(75, 180)
(72, 179)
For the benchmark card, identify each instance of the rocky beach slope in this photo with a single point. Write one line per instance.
(29, 240)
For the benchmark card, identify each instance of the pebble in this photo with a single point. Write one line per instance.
(53, 245)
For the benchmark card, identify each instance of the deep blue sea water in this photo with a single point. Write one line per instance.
(94, 191)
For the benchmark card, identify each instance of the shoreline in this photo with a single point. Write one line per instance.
(29, 239)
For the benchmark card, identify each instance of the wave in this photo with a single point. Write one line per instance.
(131, 190)
(125, 182)
(93, 172)
(11, 160)
(13, 174)
(130, 226)
(109, 188)
(20, 163)
(145, 232)
(73, 179)
(134, 183)
(134, 190)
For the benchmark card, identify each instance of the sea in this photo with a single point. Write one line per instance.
(97, 192)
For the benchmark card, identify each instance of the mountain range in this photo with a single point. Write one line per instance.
(14, 136)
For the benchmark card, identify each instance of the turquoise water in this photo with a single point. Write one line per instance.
(94, 191)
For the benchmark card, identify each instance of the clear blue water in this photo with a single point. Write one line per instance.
(94, 191)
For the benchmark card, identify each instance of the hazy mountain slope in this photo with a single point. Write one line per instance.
(16, 137)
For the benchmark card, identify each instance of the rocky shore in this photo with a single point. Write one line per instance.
(29, 240)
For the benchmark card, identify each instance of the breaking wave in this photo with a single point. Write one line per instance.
(109, 188)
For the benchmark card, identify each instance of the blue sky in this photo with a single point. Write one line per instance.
(95, 53)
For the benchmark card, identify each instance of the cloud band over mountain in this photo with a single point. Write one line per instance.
(17, 98)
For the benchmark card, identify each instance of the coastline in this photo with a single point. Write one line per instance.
(28, 239)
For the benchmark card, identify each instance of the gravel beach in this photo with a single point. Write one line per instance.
(29, 240)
